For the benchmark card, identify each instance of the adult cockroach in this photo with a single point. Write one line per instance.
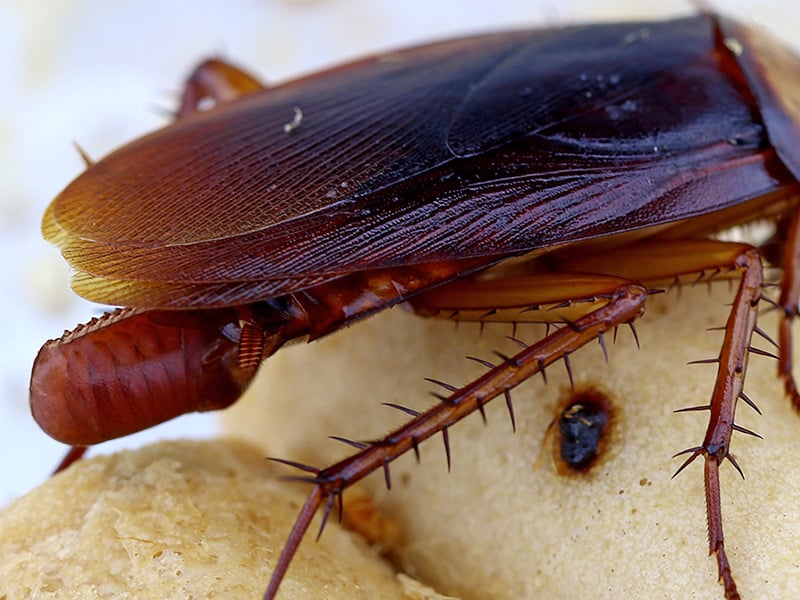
(556, 175)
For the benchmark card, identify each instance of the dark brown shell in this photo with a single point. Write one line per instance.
(486, 146)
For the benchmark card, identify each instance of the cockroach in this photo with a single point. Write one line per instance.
(560, 175)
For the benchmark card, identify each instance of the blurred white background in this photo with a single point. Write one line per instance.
(100, 72)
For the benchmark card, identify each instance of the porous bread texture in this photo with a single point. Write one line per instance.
(175, 520)
(499, 527)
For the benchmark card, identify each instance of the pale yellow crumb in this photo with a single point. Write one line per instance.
(175, 520)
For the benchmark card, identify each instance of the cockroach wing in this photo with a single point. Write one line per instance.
(487, 146)
(774, 77)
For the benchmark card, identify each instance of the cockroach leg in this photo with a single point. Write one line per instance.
(624, 305)
(788, 302)
(87, 160)
(215, 80)
(727, 390)
(74, 453)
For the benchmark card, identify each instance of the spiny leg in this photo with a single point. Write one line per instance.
(788, 303)
(652, 261)
(482, 298)
(215, 80)
(728, 389)
(656, 262)
(625, 305)
(74, 454)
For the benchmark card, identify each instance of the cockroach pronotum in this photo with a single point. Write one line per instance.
(555, 175)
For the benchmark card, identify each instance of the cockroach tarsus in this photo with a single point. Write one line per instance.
(478, 179)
